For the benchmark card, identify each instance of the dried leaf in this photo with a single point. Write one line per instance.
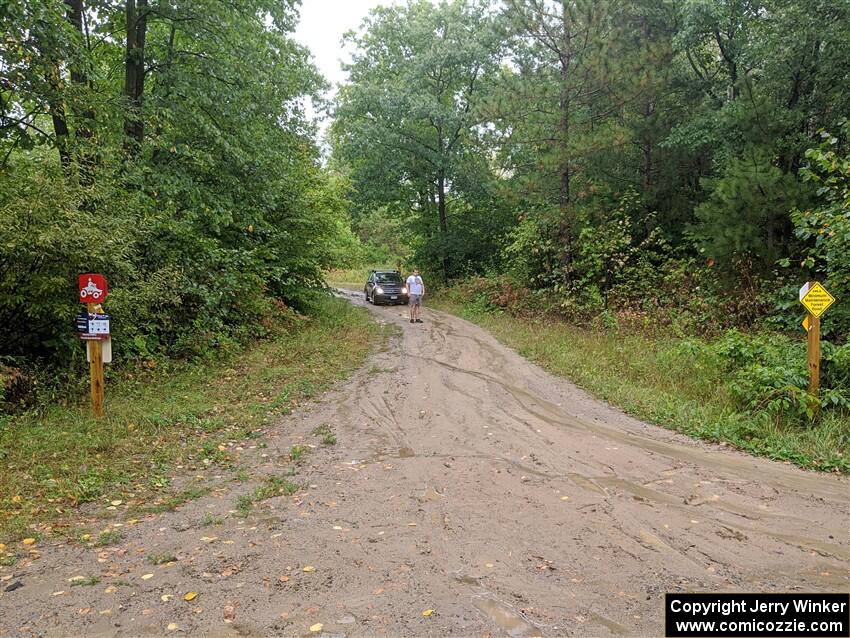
(316, 628)
(172, 627)
(309, 568)
(190, 596)
(165, 597)
(116, 503)
(28, 541)
(147, 576)
(428, 612)
(284, 579)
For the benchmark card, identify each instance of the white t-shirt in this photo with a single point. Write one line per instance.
(415, 285)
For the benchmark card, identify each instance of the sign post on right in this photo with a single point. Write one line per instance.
(816, 299)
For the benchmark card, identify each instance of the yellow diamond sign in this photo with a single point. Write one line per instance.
(816, 299)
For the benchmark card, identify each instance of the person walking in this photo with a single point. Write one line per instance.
(415, 290)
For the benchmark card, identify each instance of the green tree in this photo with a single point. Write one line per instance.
(409, 114)
(186, 171)
(825, 227)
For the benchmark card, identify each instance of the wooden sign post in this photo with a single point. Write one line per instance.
(94, 329)
(816, 300)
(813, 354)
(96, 371)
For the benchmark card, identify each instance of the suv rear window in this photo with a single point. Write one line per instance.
(388, 278)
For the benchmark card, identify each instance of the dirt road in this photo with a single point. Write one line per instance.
(465, 481)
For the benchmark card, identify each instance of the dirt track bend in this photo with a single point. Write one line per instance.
(465, 480)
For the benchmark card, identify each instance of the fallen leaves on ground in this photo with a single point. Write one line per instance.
(316, 628)
(190, 596)
(428, 612)
(309, 568)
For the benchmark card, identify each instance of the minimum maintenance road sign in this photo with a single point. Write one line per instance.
(816, 299)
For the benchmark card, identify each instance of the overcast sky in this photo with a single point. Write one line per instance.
(322, 24)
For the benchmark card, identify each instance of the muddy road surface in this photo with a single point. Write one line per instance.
(469, 493)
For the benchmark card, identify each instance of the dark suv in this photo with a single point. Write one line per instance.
(385, 286)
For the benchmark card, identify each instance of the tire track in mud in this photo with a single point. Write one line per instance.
(464, 480)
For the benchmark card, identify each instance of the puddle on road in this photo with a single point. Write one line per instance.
(469, 580)
(652, 540)
(613, 627)
(640, 492)
(431, 494)
(508, 619)
(585, 483)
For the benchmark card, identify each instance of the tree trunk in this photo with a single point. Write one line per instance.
(75, 17)
(444, 228)
(134, 74)
(85, 120)
(60, 129)
(731, 64)
(53, 77)
(166, 87)
(565, 173)
(647, 147)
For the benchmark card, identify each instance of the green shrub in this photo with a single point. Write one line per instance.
(825, 228)
(770, 376)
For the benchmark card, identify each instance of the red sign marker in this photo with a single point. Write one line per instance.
(93, 288)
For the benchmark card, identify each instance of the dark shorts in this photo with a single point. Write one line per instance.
(415, 300)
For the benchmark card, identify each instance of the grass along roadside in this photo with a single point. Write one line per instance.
(62, 458)
(659, 380)
(353, 278)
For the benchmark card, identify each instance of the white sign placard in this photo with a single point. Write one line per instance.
(105, 349)
(99, 326)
